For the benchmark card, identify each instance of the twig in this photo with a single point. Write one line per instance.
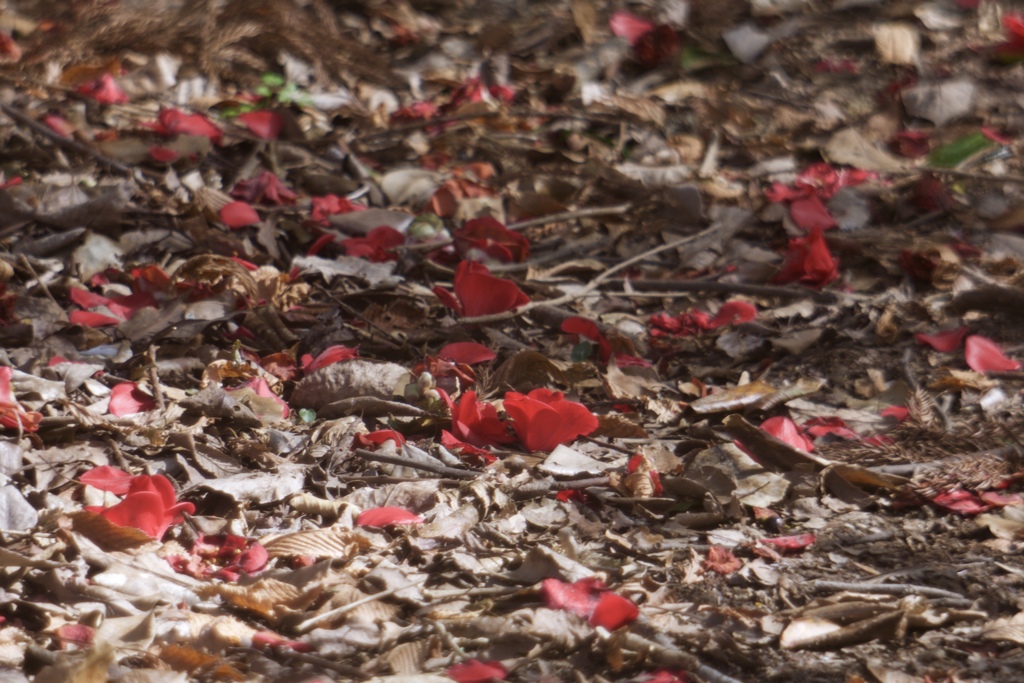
(42, 285)
(669, 288)
(308, 624)
(670, 657)
(596, 282)
(436, 468)
(592, 212)
(154, 380)
(61, 141)
(883, 589)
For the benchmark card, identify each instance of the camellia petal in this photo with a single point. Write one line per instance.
(946, 341)
(613, 611)
(172, 122)
(984, 355)
(238, 215)
(387, 516)
(263, 124)
(127, 399)
(784, 429)
(731, 312)
(629, 26)
(107, 478)
(475, 671)
(585, 327)
(481, 293)
(469, 353)
(543, 419)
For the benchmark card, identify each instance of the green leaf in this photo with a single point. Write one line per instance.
(582, 351)
(694, 59)
(958, 151)
(307, 415)
(273, 80)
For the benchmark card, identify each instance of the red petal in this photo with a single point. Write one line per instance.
(984, 355)
(482, 293)
(475, 671)
(379, 437)
(613, 611)
(107, 478)
(901, 413)
(174, 122)
(163, 154)
(238, 215)
(329, 356)
(477, 422)
(820, 426)
(263, 390)
(144, 510)
(469, 353)
(585, 327)
(387, 516)
(961, 502)
(253, 559)
(629, 26)
(784, 429)
(543, 419)
(798, 542)
(86, 299)
(263, 124)
(580, 598)
(127, 399)
(722, 560)
(733, 312)
(946, 341)
(59, 125)
(811, 214)
(104, 90)
(90, 319)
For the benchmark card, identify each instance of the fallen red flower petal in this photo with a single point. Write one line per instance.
(946, 341)
(900, 413)
(379, 437)
(238, 215)
(171, 122)
(164, 155)
(128, 399)
(960, 502)
(91, 319)
(629, 26)
(798, 542)
(264, 124)
(731, 312)
(476, 422)
(378, 245)
(836, 426)
(613, 611)
(469, 353)
(722, 561)
(984, 355)
(106, 478)
(475, 671)
(12, 414)
(486, 237)
(580, 597)
(477, 292)
(329, 356)
(104, 90)
(150, 506)
(265, 188)
(467, 452)
(809, 261)
(387, 516)
(543, 419)
(263, 390)
(784, 429)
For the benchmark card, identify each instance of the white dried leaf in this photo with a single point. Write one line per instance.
(898, 43)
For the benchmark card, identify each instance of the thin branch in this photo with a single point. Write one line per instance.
(883, 589)
(308, 624)
(596, 282)
(592, 212)
(671, 288)
(436, 468)
(63, 142)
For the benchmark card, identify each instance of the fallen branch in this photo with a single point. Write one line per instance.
(435, 468)
(883, 589)
(596, 282)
